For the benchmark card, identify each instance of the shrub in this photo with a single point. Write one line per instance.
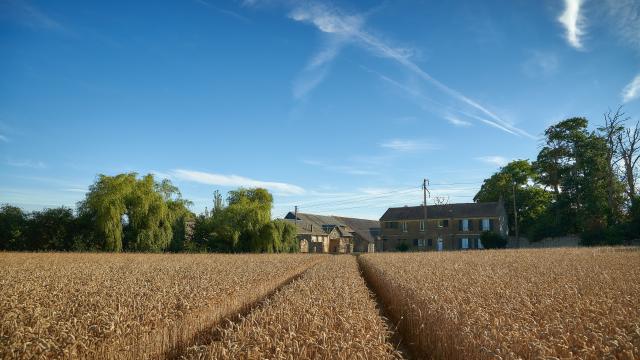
(491, 240)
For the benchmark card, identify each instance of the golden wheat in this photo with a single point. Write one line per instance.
(532, 304)
(328, 313)
(126, 305)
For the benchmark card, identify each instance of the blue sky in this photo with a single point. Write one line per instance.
(338, 107)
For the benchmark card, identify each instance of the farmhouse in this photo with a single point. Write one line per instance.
(335, 234)
(449, 227)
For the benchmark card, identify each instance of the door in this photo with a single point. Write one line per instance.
(440, 244)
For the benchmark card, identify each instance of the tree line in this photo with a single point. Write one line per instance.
(128, 213)
(582, 182)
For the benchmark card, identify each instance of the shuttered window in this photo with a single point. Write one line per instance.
(464, 243)
(404, 226)
(486, 225)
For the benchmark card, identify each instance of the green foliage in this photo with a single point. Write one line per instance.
(51, 229)
(532, 200)
(492, 240)
(402, 247)
(136, 214)
(571, 188)
(244, 225)
(12, 227)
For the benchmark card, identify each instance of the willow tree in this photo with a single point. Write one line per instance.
(131, 213)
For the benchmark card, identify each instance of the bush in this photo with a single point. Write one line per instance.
(402, 247)
(491, 240)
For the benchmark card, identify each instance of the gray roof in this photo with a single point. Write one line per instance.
(463, 210)
(306, 228)
(367, 229)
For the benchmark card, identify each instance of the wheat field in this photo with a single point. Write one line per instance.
(328, 313)
(510, 304)
(491, 304)
(127, 305)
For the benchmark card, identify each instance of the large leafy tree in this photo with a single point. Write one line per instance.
(532, 200)
(134, 214)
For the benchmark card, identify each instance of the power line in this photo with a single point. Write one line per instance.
(358, 198)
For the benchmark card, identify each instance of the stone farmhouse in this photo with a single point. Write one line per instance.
(335, 234)
(449, 227)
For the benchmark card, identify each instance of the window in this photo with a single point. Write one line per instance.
(421, 242)
(443, 223)
(391, 224)
(464, 243)
(421, 225)
(480, 246)
(430, 242)
(404, 226)
(486, 225)
(464, 224)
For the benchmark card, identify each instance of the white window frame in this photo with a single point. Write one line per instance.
(404, 226)
(421, 225)
(480, 246)
(464, 243)
(486, 224)
(421, 243)
(465, 224)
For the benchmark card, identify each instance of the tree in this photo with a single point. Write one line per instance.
(13, 224)
(51, 229)
(134, 214)
(532, 201)
(575, 164)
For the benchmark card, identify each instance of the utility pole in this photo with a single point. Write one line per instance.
(515, 215)
(425, 182)
(296, 216)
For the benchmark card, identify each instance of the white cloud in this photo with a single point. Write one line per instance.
(573, 22)
(455, 121)
(428, 104)
(234, 181)
(494, 160)
(632, 90)
(349, 28)
(26, 164)
(407, 145)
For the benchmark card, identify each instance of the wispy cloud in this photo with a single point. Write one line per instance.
(344, 169)
(429, 104)
(573, 22)
(26, 164)
(455, 121)
(408, 145)
(540, 63)
(234, 181)
(29, 15)
(624, 16)
(632, 90)
(226, 12)
(343, 28)
(494, 160)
